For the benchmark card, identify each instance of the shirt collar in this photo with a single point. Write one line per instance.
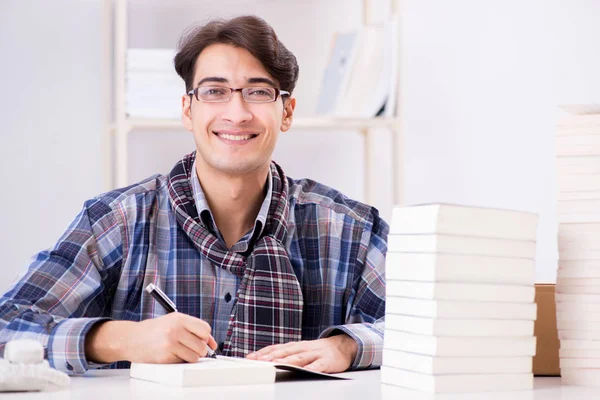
(204, 209)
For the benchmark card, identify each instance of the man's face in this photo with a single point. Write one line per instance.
(234, 137)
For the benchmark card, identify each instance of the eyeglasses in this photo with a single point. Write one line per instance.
(220, 94)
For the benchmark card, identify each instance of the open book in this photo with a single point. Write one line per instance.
(216, 372)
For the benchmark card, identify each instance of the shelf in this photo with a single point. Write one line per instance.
(116, 26)
(299, 123)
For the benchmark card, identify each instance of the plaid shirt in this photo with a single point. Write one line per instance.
(125, 239)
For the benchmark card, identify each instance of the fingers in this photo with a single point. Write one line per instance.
(197, 326)
(318, 365)
(279, 351)
(212, 343)
(193, 343)
(201, 330)
(185, 353)
(301, 359)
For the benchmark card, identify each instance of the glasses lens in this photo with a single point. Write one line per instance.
(259, 94)
(213, 93)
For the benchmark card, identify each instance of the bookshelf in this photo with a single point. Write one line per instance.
(121, 125)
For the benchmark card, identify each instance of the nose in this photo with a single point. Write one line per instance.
(236, 110)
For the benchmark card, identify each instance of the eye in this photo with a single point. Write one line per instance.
(259, 92)
(214, 91)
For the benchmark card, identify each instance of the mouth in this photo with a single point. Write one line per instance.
(238, 137)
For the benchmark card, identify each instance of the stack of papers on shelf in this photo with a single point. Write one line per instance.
(578, 278)
(153, 88)
(361, 76)
(460, 295)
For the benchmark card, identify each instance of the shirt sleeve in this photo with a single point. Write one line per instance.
(366, 318)
(67, 289)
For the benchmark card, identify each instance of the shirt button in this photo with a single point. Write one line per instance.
(227, 297)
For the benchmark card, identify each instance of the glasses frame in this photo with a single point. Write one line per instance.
(278, 93)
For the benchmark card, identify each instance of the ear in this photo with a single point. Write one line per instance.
(186, 111)
(288, 114)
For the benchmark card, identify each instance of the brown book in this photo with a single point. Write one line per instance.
(545, 361)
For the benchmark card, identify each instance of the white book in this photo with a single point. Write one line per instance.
(578, 316)
(571, 324)
(576, 283)
(167, 112)
(580, 377)
(154, 95)
(580, 111)
(578, 207)
(456, 383)
(574, 253)
(204, 372)
(578, 269)
(459, 268)
(577, 298)
(582, 239)
(432, 365)
(590, 139)
(336, 75)
(577, 129)
(577, 126)
(578, 145)
(579, 218)
(576, 353)
(569, 196)
(150, 59)
(580, 183)
(461, 291)
(459, 309)
(578, 335)
(576, 286)
(465, 221)
(578, 165)
(564, 170)
(459, 346)
(568, 363)
(435, 243)
(221, 371)
(577, 307)
(370, 63)
(580, 345)
(459, 327)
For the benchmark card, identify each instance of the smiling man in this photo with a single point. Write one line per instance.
(259, 265)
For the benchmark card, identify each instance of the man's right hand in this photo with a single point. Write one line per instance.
(171, 338)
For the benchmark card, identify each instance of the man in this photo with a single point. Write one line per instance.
(257, 264)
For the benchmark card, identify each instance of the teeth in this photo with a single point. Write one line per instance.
(234, 137)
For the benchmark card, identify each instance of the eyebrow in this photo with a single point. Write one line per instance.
(218, 79)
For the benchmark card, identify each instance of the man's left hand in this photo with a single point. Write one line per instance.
(329, 355)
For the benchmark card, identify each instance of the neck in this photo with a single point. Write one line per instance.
(234, 200)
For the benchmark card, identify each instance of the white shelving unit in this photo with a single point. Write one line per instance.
(122, 125)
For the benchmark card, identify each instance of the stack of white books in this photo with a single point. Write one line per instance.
(578, 278)
(460, 296)
(153, 88)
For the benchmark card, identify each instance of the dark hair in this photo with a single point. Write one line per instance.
(248, 32)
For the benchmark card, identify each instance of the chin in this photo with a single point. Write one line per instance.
(237, 167)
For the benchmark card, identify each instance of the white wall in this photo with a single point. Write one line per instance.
(53, 109)
(481, 81)
(52, 116)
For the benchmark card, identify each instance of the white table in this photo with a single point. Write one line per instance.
(365, 385)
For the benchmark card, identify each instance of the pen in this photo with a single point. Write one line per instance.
(168, 305)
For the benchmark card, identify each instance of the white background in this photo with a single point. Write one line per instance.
(481, 84)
